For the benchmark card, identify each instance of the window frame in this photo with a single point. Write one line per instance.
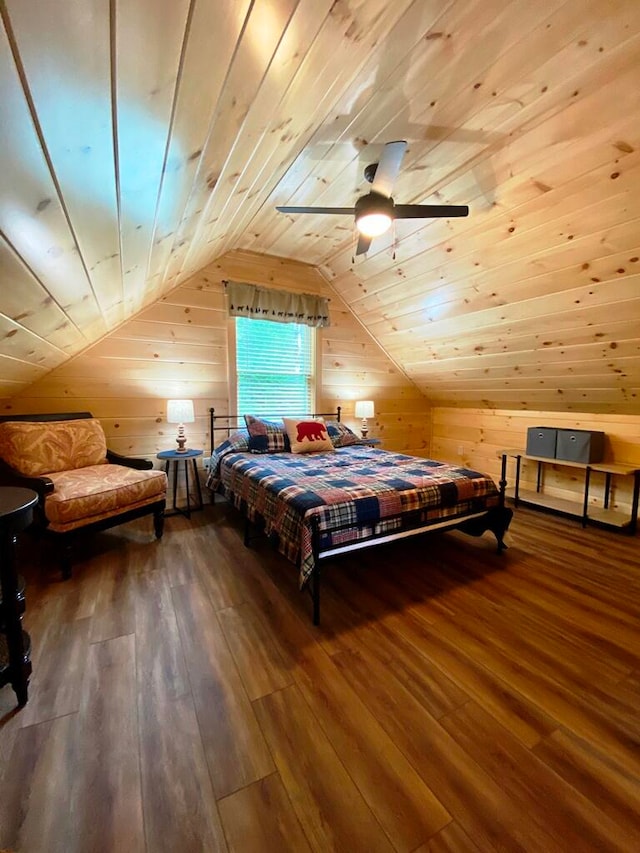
(316, 358)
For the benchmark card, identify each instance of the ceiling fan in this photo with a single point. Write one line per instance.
(375, 211)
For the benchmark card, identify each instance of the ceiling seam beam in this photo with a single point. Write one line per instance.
(200, 227)
(174, 104)
(178, 237)
(113, 69)
(398, 367)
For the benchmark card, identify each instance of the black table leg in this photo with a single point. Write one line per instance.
(196, 477)
(190, 505)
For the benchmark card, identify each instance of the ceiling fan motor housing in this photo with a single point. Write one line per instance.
(374, 214)
(374, 203)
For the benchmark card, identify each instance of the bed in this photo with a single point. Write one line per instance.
(317, 505)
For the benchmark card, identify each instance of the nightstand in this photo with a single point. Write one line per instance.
(16, 514)
(176, 457)
(370, 442)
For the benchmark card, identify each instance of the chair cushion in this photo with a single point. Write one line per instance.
(37, 448)
(95, 492)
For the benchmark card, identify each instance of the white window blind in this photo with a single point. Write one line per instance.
(274, 367)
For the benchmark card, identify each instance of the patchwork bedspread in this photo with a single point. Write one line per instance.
(354, 493)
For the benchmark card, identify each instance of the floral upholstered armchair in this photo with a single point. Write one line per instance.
(81, 485)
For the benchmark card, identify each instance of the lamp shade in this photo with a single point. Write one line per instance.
(180, 412)
(364, 409)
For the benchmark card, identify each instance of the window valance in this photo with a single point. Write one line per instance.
(262, 303)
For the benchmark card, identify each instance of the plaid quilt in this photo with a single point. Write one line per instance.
(354, 492)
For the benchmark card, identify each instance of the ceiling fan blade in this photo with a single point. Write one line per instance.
(363, 245)
(388, 168)
(428, 211)
(347, 211)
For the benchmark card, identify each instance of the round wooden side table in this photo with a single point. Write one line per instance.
(176, 457)
(16, 514)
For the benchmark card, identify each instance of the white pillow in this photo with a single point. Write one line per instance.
(307, 435)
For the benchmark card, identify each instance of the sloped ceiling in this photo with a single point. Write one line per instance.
(141, 139)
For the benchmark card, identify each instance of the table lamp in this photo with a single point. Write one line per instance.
(180, 412)
(364, 410)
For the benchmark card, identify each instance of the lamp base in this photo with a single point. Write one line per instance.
(364, 429)
(181, 440)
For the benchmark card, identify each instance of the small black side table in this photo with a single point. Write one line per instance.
(16, 513)
(176, 457)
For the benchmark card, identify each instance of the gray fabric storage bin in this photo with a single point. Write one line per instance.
(580, 445)
(541, 441)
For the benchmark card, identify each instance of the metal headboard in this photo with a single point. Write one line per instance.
(233, 422)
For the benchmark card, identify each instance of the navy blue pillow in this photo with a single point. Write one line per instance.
(266, 436)
(340, 434)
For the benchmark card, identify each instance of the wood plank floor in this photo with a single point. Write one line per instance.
(451, 700)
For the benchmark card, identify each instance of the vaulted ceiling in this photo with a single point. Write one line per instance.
(141, 139)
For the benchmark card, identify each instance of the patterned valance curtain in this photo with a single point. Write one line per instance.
(261, 303)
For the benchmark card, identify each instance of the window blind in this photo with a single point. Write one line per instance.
(274, 367)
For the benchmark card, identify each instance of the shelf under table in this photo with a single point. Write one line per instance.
(613, 517)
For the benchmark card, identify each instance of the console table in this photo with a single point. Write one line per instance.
(603, 515)
(16, 513)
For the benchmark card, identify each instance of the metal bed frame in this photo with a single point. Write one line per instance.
(496, 519)
(233, 422)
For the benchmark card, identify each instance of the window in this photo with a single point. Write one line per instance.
(274, 367)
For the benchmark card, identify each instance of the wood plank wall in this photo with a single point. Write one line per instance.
(480, 435)
(177, 347)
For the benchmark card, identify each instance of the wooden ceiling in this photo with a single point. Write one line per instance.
(141, 139)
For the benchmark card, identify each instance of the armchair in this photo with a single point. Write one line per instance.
(81, 485)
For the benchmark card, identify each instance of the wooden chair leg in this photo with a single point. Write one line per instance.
(158, 523)
(65, 560)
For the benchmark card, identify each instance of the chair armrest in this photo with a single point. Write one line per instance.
(10, 477)
(128, 461)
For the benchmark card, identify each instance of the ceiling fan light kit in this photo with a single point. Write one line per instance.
(375, 211)
(374, 214)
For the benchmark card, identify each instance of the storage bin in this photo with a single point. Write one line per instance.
(580, 445)
(541, 441)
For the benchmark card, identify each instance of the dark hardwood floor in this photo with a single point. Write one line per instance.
(451, 700)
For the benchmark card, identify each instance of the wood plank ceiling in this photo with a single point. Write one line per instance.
(141, 139)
